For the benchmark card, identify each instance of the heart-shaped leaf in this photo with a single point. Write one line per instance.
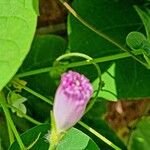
(73, 139)
(17, 27)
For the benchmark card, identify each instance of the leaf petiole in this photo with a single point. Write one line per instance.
(10, 121)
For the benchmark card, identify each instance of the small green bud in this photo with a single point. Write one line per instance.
(135, 39)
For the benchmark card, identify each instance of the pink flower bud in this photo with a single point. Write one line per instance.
(71, 99)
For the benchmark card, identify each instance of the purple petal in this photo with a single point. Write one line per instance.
(71, 99)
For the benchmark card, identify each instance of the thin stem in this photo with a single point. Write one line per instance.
(52, 138)
(34, 142)
(92, 28)
(99, 136)
(55, 136)
(10, 121)
(33, 92)
(38, 95)
(10, 133)
(24, 115)
(74, 55)
(81, 63)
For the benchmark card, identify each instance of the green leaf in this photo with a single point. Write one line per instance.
(139, 139)
(104, 16)
(44, 51)
(74, 139)
(98, 110)
(145, 17)
(125, 79)
(35, 4)
(109, 91)
(17, 23)
(132, 80)
(146, 48)
(135, 40)
(17, 101)
(31, 135)
(146, 51)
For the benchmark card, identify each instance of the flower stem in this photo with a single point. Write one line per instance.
(10, 121)
(99, 136)
(37, 95)
(89, 129)
(10, 133)
(81, 63)
(55, 137)
(52, 138)
(101, 34)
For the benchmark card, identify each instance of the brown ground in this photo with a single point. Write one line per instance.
(51, 12)
(122, 116)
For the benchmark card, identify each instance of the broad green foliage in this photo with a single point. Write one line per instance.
(134, 83)
(142, 42)
(31, 135)
(73, 139)
(17, 27)
(44, 50)
(139, 139)
(129, 79)
(145, 17)
(106, 16)
(109, 91)
(132, 80)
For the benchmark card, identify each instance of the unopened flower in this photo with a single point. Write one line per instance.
(71, 99)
